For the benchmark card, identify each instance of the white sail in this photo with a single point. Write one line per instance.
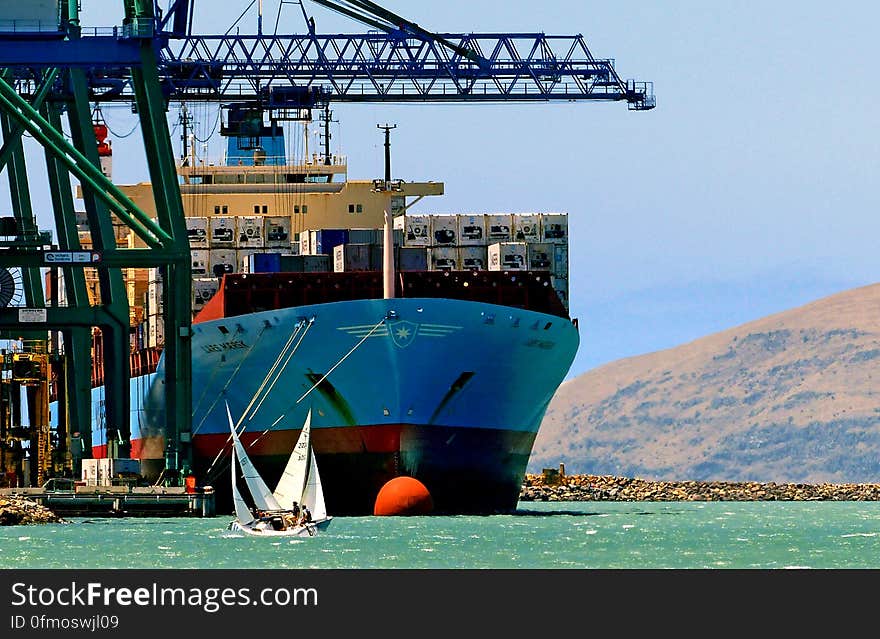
(242, 512)
(293, 480)
(313, 495)
(260, 492)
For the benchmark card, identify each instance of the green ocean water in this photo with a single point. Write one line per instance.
(545, 535)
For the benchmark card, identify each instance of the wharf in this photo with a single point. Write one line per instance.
(120, 501)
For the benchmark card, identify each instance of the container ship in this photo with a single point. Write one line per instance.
(446, 381)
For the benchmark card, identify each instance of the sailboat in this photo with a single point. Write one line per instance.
(300, 484)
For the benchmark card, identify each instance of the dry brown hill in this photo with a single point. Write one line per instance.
(788, 398)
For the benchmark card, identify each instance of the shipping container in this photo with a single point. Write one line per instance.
(305, 242)
(560, 260)
(203, 290)
(249, 231)
(471, 230)
(444, 258)
(328, 239)
(377, 257)
(398, 205)
(499, 227)
(416, 229)
(291, 263)
(560, 285)
(155, 331)
(316, 264)
(197, 232)
(527, 227)
(351, 257)
(508, 256)
(222, 229)
(277, 231)
(413, 258)
(201, 259)
(540, 256)
(155, 304)
(444, 230)
(242, 258)
(264, 263)
(223, 261)
(473, 258)
(554, 228)
(364, 236)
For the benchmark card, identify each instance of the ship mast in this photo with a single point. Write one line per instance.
(388, 244)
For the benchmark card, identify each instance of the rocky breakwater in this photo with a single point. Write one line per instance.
(609, 488)
(17, 511)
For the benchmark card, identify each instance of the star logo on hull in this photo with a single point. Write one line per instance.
(403, 333)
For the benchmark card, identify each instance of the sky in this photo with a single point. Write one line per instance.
(748, 190)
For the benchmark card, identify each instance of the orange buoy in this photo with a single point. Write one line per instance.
(403, 496)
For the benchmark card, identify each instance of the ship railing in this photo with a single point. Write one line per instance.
(316, 160)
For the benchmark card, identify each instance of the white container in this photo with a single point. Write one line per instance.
(305, 244)
(155, 332)
(276, 231)
(560, 260)
(444, 258)
(444, 230)
(508, 256)
(90, 472)
(351, 257)
(249, 231)
(416, 229)
(471, 230)
(197, 232)
(201, 262)
(473, 258)
(223, 261)
(554, 228)
(541, 256)
(499, 227)
(203, 290)
(242, 259)
(154, 298)
(527, 227)
(560, 285)
(222, 229)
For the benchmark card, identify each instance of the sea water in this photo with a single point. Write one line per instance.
(540, 535)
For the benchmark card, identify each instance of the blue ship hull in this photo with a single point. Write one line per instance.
(450, 392)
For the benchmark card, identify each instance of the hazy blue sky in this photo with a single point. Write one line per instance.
(749, 190)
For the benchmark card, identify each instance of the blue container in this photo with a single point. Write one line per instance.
(264, 262)
(328, 239)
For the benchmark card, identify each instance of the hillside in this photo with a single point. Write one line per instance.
(791, 397)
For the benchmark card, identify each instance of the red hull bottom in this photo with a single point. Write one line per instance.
(466, 470)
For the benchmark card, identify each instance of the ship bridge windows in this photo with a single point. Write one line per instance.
(355, 208)
(218, 209)
(303, 209)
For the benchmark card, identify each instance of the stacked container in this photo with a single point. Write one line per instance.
(249, 231)
(499, 228)
(444, 230)
(471, 230)
(223, 261)
(276, 230)
(203, 290)
(197, 232)
(351, 257)
(222, 231)
(527, 227)
(416, 229)
(508, 256)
